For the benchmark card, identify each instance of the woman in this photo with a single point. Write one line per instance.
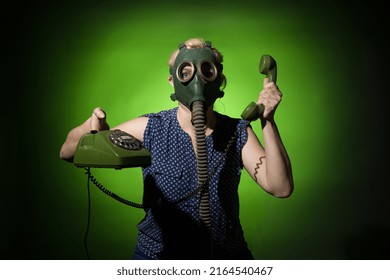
(190, 189)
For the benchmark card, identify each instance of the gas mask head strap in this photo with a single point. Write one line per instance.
(206, 44)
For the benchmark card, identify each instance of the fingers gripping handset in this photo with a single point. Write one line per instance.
(267, 67)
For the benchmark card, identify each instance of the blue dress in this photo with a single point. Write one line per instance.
(171, 226)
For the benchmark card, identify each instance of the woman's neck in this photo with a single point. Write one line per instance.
(184, 116)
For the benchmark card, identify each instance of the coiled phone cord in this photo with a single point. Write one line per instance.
(92, 179)
(110, 193)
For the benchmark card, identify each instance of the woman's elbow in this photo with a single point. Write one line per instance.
(284, 191)
(66, 156)
(286, 194)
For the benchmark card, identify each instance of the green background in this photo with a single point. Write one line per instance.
(66, 58)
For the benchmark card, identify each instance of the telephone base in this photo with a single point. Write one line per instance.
(105, 149)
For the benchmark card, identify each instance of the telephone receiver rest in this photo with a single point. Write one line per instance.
(267, 67)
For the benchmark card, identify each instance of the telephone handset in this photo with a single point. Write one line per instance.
(110, 149)
(267, 67)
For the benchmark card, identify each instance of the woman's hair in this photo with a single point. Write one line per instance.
(198, 43)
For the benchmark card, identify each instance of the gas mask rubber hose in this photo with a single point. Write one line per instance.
(198, 119)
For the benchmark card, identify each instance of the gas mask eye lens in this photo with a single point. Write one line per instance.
(208, 71)
(185, 71)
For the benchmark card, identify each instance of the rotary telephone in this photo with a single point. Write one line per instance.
(110, 149)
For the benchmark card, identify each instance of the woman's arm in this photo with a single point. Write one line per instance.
(270, 165)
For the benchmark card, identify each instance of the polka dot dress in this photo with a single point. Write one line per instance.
(171, 226)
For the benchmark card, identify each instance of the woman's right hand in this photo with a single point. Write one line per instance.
(96, 122)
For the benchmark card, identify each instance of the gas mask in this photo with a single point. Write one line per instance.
(196, 76)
